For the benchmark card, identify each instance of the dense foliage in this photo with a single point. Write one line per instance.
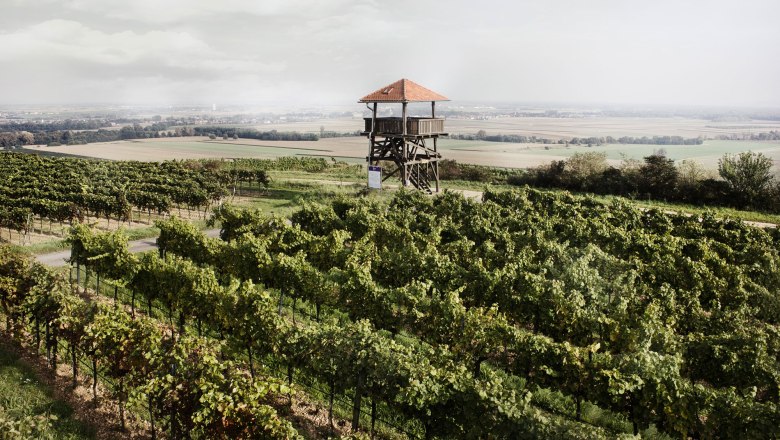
(56, 134)
(36, 188)
(670, 321)
(66, 124)
(746, 180)
(188, 391)
(61, 190)
(465, 317)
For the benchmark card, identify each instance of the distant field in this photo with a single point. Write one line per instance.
(556, 128)
(353, 149)
(706, 154)
(201, 147)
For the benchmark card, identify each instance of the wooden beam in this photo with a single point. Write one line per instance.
(403, 117)
(373, 132)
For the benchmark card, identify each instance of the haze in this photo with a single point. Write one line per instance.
(308, 52)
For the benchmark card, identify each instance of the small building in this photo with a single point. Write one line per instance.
(409, 142)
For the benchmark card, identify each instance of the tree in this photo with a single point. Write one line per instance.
(658, 177)
(585, 168)
(690, 172)
(748, 175)
(25, 138)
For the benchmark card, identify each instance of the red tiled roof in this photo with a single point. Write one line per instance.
(403, 90)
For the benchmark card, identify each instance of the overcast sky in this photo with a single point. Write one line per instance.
(320, 52)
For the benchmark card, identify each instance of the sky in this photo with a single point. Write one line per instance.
(333, 52)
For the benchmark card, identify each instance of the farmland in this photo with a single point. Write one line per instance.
(352, 149)
(555, 128)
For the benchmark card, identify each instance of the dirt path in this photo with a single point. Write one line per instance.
(58, 259)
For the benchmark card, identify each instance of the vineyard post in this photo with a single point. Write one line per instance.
(74, 364)
(47, 341)
(251, 360)
(94, 379)
(290, 371)
(357, 401)
(330, 403)
(37, 333)
(151, 418)
(373, 415)
(121, 406)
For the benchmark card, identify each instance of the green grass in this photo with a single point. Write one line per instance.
(339, 174)
(27, 406)
(718, 211)
(45, 247)
(283, 197)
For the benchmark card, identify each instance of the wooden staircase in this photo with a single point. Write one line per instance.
(420, 180)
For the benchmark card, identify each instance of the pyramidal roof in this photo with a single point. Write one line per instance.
(403, 90)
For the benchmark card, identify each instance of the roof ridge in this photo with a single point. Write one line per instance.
(403, 90)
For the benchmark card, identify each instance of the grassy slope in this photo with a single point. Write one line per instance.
(27, 401)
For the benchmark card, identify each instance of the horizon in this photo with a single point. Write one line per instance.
(281, 108)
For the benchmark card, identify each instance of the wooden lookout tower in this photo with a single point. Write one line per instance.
(409, 142)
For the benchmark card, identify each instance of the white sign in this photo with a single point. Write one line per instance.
(374, 177)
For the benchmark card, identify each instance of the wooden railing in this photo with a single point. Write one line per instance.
(414, 126)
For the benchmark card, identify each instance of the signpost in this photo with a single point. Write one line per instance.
(374, 177)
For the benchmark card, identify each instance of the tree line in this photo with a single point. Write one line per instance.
(11, 139)
(481, 135)
(67, 124)
(746, 179)
(250, 133)
(773, 135)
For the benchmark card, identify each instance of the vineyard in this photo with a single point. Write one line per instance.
(46, 195)
(528, 315)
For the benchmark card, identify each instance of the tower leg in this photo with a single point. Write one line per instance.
(436, 174)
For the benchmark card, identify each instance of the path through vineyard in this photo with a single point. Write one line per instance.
(58, 259)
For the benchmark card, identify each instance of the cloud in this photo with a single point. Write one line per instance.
(64, 60)
(174, 11)
(560, 50)
(69, 40)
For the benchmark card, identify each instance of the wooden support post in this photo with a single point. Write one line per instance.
(435, 166)
(435, 150)
(403, 116)
(372, 136)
